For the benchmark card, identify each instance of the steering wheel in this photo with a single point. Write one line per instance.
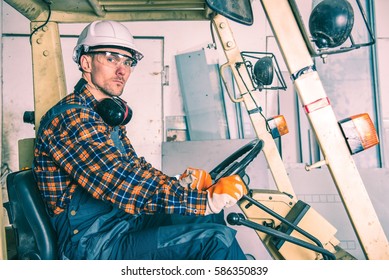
(231, 165)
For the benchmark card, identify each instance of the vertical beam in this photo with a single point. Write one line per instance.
(245, 87)
(48, 69)
(323, 121)
(3, 245)
(376, 87)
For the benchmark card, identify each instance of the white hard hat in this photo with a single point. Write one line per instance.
(105, 34)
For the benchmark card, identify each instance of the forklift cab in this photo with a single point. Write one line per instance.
(34, 235)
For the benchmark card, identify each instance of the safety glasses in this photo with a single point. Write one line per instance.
(114, 59)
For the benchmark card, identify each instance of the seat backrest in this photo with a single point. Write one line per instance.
(35, 235)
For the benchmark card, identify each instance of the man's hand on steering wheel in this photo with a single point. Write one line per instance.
(226, 192)
(229, 187)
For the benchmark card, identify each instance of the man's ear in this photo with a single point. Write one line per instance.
(86, 63)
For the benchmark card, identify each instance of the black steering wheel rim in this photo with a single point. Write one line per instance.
(230, 166)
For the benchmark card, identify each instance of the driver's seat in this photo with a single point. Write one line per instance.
(34, 234)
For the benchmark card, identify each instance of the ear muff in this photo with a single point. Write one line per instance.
(114, 111)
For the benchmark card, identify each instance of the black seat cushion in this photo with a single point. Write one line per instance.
(35, 236)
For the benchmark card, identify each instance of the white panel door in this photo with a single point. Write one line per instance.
(143, 94)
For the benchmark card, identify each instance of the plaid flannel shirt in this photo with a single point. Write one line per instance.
(75, 150)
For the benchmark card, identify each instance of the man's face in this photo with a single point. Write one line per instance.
(110, 70)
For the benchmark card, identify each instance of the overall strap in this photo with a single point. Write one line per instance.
(116, 139)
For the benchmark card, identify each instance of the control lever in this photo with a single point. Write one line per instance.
(238, 219)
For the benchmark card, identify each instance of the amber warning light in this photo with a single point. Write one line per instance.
(277, 126)
(359, 132)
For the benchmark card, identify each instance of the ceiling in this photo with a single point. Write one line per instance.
(74, 11)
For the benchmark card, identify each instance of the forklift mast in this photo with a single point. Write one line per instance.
(322, 119)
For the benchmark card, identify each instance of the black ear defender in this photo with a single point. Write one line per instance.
(114, 111)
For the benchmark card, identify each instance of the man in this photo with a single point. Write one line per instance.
(105, 201)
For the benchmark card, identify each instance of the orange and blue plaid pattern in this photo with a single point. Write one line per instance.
(76, 150)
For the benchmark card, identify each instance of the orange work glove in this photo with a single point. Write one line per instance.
(195, 179)
(225, 193)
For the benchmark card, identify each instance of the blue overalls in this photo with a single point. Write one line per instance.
(93, 229)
